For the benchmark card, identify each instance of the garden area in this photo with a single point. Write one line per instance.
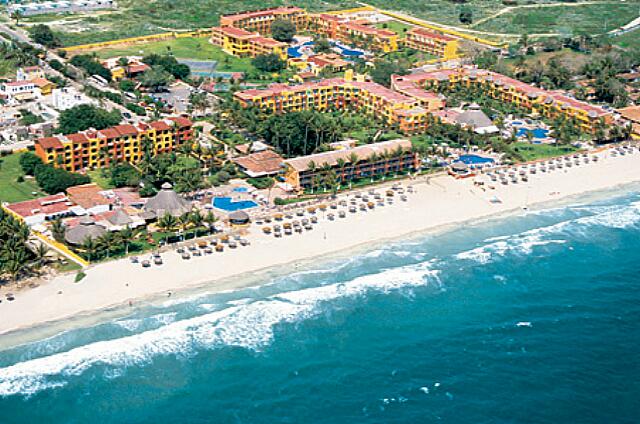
(15, 186)
(530, 152)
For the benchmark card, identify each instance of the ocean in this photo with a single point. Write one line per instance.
(533, 318)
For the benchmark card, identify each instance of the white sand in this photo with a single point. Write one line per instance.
(439, 202)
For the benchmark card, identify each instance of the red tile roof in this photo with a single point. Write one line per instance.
(263, 12)
(261, 163)
(160, 126)
(126, 129)
(78, 138)
(182, 121)
(423, 32)
(108, 133)
(48, 205)
(88, 196)
(50, 143)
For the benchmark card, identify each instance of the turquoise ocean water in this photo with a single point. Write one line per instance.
(528, 319)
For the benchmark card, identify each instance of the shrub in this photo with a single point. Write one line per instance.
(82, 117)
(29, 162)
(79, 276)
(55, 180)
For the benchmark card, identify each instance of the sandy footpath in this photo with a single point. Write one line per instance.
(436, 202)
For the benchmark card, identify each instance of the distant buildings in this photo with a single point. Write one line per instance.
(19, 91)
(29, 73)
(368, 161)
(62, 6)
(122, 143)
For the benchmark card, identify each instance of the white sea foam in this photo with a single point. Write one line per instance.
(128, 324)
(248, 325)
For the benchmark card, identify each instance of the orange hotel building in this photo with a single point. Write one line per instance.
(241, 43)
(92, 149)
(261, 20)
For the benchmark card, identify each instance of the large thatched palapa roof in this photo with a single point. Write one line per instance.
(167, 201)
(87, 228)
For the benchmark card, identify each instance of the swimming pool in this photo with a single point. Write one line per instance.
(227, 204)
(342, 50)
(475, 160)
(240, 190)
(536, 132)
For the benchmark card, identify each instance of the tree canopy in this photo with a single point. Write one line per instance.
(56, 180)
(91, 65)
(283, 30)
(169, 63)
(156, 78)
(268, 62)
(42, 34)
(383, 70)
(82, 117)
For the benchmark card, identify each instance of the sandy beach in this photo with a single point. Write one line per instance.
(437, 202)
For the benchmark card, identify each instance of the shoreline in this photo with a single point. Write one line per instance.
(438, 205)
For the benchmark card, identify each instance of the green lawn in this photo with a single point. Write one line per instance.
(183, 48)
(630, 40)
(596, 18)
(98, 178)
(11, 190)
(396, 26)
(531, 152)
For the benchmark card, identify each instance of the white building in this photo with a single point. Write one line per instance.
(62, 6)
(68, 97)
(29, 73)
(17, 91)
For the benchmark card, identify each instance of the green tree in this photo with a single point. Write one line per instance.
(42, 34)
(82, 117)
(466, 15)
(283, 30)
(156, 78)
(268, 62)
(55, 180)
(29, 162)
(384, 69)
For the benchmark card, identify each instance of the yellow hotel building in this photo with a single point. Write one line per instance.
(241, 43)
(407, 114)
(432, 42)
(123, 143)
(547, 103)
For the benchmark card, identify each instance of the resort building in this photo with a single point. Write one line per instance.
(432, 42)
(260, 164)
(631, 114)
(354, 32)
(241, 43)
(408, 114)
(368, 161)
(537, 100)
(261, 20)
(167, 201)
(123, 143)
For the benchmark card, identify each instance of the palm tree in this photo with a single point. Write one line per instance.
(167, 223)
(184, 221)
(341, 165)
(210, 219)
(89, 246)
(126, 236)
(196, 219)
(40, 253)
(57, 230)
(106, 242)
(17, 15)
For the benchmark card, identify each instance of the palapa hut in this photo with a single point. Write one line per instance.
(239, 218)
(87, 228)
(167, 201)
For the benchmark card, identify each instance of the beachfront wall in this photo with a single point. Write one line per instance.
(550, 104)
(261, 20)
(403, 112)
(123, 143)
(372, 160)
(241, 43)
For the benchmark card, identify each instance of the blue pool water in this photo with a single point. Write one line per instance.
(537, 132)
(240, 190)
(343, 50)
(531, 319)
(474, 159)
(227, 204)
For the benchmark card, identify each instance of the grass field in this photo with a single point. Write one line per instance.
(183, 48)
(11, 190)
(396, 26)
(541, 151)
(96, 177)
(596, 18)
(630, 40)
